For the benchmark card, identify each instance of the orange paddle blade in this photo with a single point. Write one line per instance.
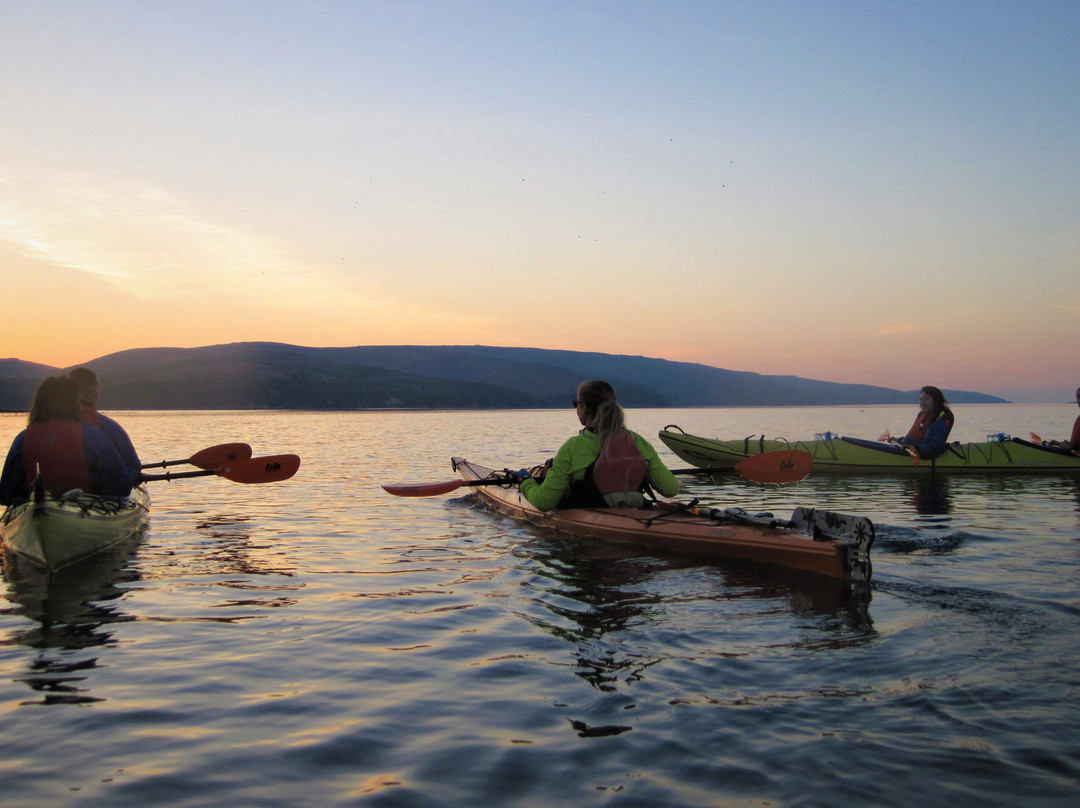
(213, 456)
(781, 466)
(209, 458)
(1035, 437)
(434, 489)
(423, 489)
(270, 469)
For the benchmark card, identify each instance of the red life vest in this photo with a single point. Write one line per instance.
(620, 466)
(56, 449)
(917, 433)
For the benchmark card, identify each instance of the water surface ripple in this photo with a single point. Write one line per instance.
(319, 642)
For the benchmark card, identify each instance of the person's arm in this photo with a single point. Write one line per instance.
(659, 475)
(1070, 445)
(121, 441)
(909, 439)
(109, 475)
(13, 478)
(546, 495)
(1074, 440)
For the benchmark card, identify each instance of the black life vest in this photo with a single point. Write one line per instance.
(56, 449)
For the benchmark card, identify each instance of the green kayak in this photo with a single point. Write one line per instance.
(1001, 453)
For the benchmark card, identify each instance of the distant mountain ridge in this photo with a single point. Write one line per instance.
(267, 375)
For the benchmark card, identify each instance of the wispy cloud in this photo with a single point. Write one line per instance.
(133, 234)
(146, 241)
(899, 328)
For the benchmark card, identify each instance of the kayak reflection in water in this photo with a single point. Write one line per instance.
(605, 464)
(929, 435)
(1073, 443)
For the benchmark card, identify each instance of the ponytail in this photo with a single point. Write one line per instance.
(607, 416)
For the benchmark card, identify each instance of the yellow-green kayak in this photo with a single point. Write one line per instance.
(854, 455)
(54, 531)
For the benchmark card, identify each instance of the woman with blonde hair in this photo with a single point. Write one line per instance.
(604, 465)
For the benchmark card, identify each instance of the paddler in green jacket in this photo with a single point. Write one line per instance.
(604, 465)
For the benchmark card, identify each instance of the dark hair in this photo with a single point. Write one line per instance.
(941, 405)
(84, 377)
(599, 400)
(56, 399)
(87, 382)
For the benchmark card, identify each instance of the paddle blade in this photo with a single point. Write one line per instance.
(782, 466)
(209, 458)
(213, 456)
(423, 489)
(1035, 437)
(269, 469)
(434, 489)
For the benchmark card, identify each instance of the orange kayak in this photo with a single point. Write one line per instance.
(822, 542)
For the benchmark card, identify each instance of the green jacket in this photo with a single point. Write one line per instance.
(576, 455)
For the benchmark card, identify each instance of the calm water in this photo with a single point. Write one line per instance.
(321, 643)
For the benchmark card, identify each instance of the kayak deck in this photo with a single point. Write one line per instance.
(831, 544)
(855, 455)
(59, 530)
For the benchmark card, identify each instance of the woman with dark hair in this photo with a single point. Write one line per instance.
(929, 435)
(604, 465)
(63, 450)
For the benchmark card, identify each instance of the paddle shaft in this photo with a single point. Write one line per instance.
(209, 458)
(782, 466)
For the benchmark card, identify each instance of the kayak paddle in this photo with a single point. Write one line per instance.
(208, 458)
(779, 466)
(782, 466)
(269, 469)
(1035, 437)
(434, 489)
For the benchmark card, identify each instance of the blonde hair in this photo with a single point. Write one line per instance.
(605, 416)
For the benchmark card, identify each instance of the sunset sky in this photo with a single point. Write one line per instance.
(875, 192)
